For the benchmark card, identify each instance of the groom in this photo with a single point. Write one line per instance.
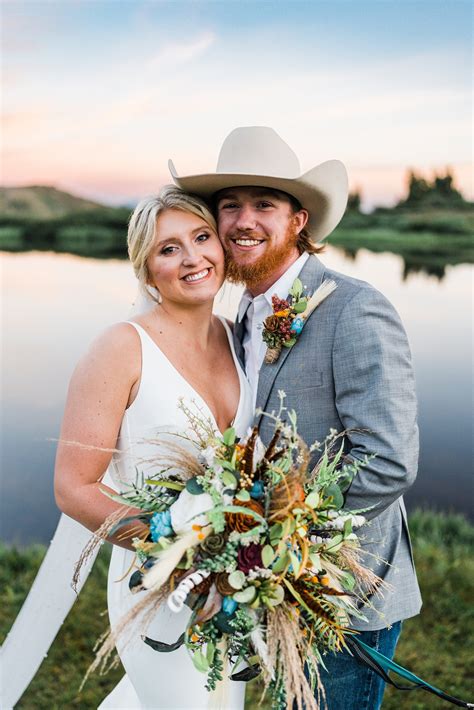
(349, 369)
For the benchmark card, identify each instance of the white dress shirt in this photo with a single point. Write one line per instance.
(254, 311)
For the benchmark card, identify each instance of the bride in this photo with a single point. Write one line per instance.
(126, 389)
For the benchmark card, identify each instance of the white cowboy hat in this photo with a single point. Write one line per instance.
(257, 156)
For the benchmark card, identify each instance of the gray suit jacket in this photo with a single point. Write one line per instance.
(351, 369)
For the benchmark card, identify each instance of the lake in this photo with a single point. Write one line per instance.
(53, 305)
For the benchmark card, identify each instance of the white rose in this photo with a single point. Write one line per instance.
(189, 510)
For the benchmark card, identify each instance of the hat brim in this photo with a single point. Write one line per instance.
(323, 191)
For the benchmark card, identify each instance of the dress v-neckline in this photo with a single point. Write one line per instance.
(188, 384)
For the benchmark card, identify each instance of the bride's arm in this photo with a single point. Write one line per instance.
(101, 388)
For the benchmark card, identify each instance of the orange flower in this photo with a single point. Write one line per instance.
(286, 495)
(240, 521)
(283, 314)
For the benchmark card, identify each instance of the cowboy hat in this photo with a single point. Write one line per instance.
(257, 156)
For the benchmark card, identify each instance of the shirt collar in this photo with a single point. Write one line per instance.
(281, 287)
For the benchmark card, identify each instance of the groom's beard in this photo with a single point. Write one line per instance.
(261, 269)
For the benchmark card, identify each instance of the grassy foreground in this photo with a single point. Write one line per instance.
(433, 645)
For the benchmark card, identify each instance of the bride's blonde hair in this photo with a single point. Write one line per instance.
(142, 225)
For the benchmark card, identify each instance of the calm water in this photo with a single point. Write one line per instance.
(53, 305)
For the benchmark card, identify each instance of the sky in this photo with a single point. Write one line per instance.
(98, 94)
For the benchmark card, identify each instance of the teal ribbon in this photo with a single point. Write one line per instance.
(382, 665)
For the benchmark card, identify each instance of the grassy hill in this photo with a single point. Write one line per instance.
(41, 202)
(434, 645)
(45, 218)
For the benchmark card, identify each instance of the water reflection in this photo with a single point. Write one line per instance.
(429, 264)
(54, 305)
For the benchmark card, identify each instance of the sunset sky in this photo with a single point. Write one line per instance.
(97, 95)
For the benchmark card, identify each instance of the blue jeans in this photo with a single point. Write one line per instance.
(349, 684)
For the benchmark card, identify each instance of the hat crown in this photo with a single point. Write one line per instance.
(257, 150)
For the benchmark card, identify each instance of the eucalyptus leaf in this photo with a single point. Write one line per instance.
(237, 579)
(300, 307)
(295, 563)
(333, 491)
(246, 596)
(297, 288)
(275, 532)
(229, 437)
(312, 499)
(278, 595)
(281, 562)
(200, 661)
(243, 495)
(268, 555)
(288, 527)
(228, 479)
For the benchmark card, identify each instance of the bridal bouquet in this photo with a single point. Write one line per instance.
(258, 546)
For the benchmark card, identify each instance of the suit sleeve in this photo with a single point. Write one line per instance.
(375, 393)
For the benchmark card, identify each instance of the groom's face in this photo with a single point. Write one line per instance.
(259, 229)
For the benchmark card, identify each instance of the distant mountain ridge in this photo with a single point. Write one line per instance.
(42, 202)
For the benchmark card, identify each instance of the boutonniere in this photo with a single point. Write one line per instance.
(282, 328)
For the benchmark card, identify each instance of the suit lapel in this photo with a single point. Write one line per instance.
(311, 275)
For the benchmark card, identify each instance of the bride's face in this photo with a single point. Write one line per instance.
(186, 263)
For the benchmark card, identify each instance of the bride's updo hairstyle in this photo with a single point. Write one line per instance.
(142, 227)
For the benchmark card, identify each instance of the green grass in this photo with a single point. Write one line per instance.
(433, 645)
(11, 238)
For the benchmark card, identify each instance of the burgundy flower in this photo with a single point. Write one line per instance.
(249, 557)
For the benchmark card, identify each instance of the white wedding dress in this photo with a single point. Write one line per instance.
(160, 680)
(153, 680)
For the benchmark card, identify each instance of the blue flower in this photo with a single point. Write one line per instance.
(229, 605)
(160, 525)
(257, 490)
(297, 325)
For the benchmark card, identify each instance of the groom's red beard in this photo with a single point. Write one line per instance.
(261, 269)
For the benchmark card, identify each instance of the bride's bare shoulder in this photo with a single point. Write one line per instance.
(117, 345)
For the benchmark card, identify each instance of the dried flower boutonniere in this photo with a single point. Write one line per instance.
(282, 328)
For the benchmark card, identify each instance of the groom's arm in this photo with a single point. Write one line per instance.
(375, 392)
